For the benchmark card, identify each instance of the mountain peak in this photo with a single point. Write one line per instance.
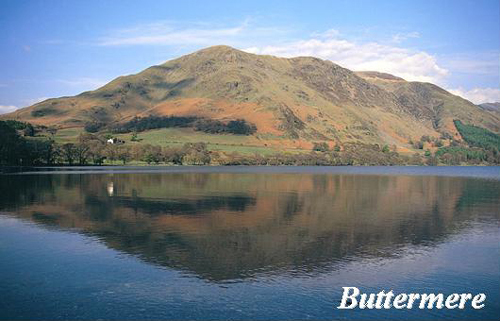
(222, 53)
(219, 50)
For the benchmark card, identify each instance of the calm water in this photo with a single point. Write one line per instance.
(244, 242)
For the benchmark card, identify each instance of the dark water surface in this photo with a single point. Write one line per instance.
(246, 242)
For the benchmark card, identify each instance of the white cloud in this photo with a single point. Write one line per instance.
(389, 56)
(400, 37)
(330, 33)
(164, 35)
(169, 33)
(7, 109)
(478, 95)
(408, 64)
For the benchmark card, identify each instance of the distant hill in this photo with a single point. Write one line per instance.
(291, 101)
(490, 106)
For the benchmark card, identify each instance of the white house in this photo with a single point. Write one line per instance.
(115, 141)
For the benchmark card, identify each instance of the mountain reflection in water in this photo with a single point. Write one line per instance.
(226, 226)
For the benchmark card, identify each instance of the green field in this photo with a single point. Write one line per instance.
(176, 137)
(67, 135)
(173, 137)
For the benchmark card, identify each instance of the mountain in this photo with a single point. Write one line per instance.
(291, 101)
(432, 104)
(491, 107)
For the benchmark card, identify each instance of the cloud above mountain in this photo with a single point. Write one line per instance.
(171, 33)
(400, 52)
(390, 57)
(478, 95)
(409, 64)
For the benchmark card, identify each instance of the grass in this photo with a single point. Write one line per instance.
(67, 135)
(176, 137)
(167, 136)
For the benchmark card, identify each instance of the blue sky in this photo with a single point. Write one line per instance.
(56, 48)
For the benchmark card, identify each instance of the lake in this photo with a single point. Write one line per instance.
(245, 242)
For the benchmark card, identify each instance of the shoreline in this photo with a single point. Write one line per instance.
(480, 172)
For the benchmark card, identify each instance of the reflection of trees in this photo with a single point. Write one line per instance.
(224, 226)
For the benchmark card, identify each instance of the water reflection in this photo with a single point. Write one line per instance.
(111, 189)
(225, 226)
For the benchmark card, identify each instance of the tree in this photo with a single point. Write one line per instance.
(196, 158)
(68, 152)
(96, 147)
(173, 155)
(11, 145)
(241, 127)
(110, 151)
(52, 130)
(17, 150)
(93, 127)
(431, 161)
(425, 138)
(152, 154)
(50, 152)
(123, 154)
(137, 152)
(41, 151)
(418, 145)
(320, 147)
(416, 159)
(29, 130)
(82, 152)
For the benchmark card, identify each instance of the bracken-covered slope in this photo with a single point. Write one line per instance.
(300, 100)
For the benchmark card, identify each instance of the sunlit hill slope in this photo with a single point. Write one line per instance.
(292, 102)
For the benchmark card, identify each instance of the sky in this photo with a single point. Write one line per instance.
(58, 48)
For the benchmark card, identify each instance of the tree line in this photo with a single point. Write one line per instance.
(19, 147)
(140, 124)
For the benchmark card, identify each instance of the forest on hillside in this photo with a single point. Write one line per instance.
(140, 124)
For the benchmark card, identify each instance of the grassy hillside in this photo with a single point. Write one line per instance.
(433, 105)
(176, 137)
(293, 103)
